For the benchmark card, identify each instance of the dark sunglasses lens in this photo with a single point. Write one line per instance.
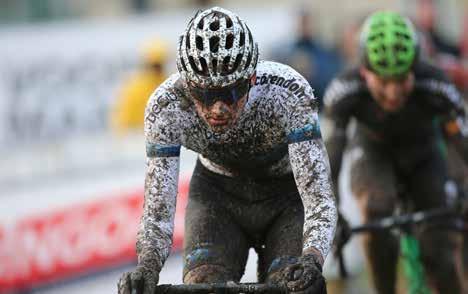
(228, 95)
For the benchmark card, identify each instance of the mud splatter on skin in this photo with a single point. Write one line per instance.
(280, 115)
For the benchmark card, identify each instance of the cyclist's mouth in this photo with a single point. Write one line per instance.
(394, 105)
(218, 121)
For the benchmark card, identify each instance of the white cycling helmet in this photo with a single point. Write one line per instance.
(216, 50)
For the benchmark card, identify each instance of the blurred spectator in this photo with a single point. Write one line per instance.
(315, 62)
(130, 106)
(426, 15)
(457, 66)
(464, 37)
(348, 44)
(140, 5)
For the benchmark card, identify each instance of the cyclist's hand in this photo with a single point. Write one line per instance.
(304, 276)
(140, 281)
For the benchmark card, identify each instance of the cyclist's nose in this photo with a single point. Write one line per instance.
(220, 108)
(393, 91)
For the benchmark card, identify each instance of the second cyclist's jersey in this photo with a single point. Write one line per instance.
(276, 133)
(433, 96)
(409, 134)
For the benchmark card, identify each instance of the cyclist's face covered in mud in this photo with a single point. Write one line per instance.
(390, 93)
(221, 108)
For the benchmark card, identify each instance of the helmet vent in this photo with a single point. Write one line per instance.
(382, 63)
(249, 59)
(214, 26)
(236, 63)
(199, 43)
(192, 64)
(215, 65)
(250, 34)
(204, 66)
(201, 24)
(225, 67)
(403, 36)
(187, 42)
(183, 64)
(229, 41)
(228, 22)
(400, 48)
(242, 39)
(214, 44)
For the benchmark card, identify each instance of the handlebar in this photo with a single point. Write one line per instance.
(218, 288)
(409, 219)
(447, 218)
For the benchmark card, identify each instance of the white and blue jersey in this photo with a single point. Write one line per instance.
(276, 134)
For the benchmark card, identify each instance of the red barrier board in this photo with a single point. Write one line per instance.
(74, 240)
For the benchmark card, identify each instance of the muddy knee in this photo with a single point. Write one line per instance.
(208, 273)
(210, 265)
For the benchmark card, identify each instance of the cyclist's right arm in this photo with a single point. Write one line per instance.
(338, 110)
(154, 239)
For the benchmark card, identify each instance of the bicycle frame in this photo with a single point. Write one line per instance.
(412, 265)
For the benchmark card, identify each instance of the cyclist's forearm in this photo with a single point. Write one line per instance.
(312, 174)
(154, 239)
(335, 146)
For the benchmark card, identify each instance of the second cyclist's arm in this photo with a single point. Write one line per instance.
(337, 111)
(449, 104)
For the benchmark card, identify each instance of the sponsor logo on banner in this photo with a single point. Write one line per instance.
(76, 240)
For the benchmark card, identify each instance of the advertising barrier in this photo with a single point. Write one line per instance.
(72, 241)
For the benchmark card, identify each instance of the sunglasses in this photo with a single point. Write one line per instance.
(228, 95)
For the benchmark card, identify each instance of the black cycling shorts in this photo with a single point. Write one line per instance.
(226, 216)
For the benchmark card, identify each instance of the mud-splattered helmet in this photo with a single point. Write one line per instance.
(217, 50)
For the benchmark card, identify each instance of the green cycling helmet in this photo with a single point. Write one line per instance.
(389, 44)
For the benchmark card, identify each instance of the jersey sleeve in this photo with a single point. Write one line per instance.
(339, 104)
(163, 143)
(309, 163)
(449, 105)
(441, 94)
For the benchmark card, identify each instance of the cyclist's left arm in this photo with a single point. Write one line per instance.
(310, 165)
(162, 134)
(454, 120)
